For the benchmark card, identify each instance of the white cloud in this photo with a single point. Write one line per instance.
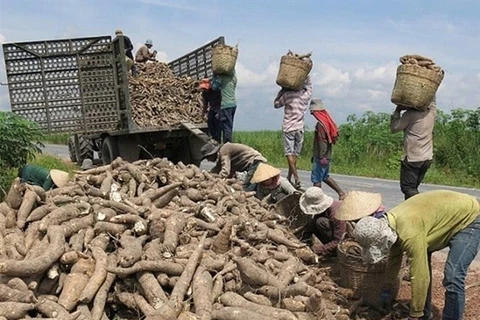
(249, 78)
(344, 90)
(2, 38)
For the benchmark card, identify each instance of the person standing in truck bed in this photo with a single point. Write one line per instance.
(127, 43)
(227, 85)
(211, 101)
(143, 53)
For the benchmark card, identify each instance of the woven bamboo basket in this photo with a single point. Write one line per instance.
(293, 72)
(224, 59)
(366, 280)
(289, 208)
(415, 86)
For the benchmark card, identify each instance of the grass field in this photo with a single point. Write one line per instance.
(387, 167)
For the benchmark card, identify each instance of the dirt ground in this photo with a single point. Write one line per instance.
(472, 312)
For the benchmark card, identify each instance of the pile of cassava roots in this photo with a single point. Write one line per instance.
(156, 241)
(158, 98)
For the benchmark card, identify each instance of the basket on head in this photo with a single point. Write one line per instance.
(366, 280)
(224, 59)
(293, 72)
(416, 86)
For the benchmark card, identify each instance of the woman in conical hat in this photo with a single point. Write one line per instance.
(270, 183)
(43, 177)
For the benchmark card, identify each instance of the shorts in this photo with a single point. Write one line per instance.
(319, 173)
(293, 142)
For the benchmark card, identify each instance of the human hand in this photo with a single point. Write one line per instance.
(324, 162)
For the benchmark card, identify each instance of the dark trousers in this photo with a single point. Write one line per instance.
(214, 124)
(411, 175)
(226, 123)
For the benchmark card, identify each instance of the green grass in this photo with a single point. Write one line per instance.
(361, 154)
(270, 144)
(61, 138)
(53, 162)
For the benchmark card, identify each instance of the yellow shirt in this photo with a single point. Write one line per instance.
(426, 223)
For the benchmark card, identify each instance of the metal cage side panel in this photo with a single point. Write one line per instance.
(65, 85)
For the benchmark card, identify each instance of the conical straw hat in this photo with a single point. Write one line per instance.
(59, 177)
(264, 172)
(358, 204)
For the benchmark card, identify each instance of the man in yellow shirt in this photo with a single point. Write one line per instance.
(419, 226)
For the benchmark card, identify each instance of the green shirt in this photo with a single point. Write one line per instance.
(426, 223)
(227, 85)
(38, 176)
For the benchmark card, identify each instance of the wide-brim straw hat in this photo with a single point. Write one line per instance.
(59, 177)
(264, 172)
(316, 105)
(209, 149)
(314, 201)
(358, 204)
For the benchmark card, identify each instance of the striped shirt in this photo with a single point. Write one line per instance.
(295, 104)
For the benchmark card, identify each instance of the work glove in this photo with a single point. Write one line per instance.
(386, 299)
(324, 162)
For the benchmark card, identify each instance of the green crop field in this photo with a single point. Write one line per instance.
(367, 148)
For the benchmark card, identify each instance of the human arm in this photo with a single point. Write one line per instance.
(127, 43)
(216, 82)
(308, 88)
(397, 121)
(322, 141)
(279, 101)
(287, 186)
(225, 165)
(339, 229)
(48, 183)
(416, 249)
(216, 168)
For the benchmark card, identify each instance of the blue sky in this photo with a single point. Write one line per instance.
(355, 44)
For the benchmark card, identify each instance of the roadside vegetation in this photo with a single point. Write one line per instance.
(20, 144)
(367, 148)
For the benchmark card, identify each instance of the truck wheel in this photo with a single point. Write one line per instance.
(71, 149)
(109, 150)
(85, 149)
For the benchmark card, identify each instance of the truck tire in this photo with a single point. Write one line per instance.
(71, 149)
(85, 148)
(109, 150)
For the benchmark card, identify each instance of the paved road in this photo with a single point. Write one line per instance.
(389, 189)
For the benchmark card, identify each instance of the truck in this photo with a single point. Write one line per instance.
(80, 87)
